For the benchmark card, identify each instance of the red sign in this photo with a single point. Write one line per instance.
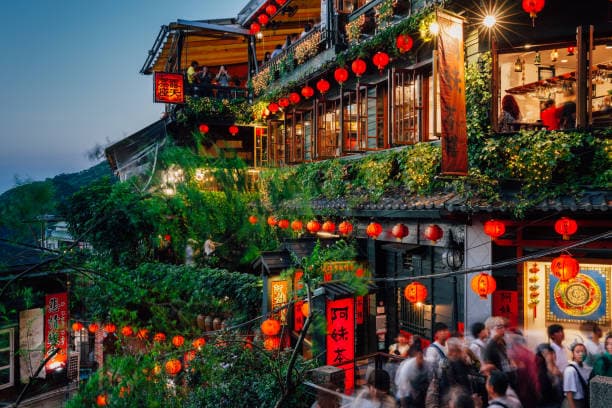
(298, 316)
(56, 333)
(505, 304)
(452, 95)
(340, 339)
(169, 88)
(359, 309)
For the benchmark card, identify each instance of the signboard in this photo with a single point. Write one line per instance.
(279, 296)
(505, 304)
(168, 87)
(298, 316)
(340, 338)
(56, 333)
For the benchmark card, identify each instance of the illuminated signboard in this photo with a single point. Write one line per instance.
(169, 88)
(56, 334)
(340, 339)
(279, 296)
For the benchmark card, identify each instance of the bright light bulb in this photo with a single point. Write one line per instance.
(259, 35)
(489, 21)
(434, 28)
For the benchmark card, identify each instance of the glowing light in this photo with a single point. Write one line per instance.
(489, 21)
(434, 28)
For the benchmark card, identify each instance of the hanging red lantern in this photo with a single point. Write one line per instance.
(178, 341)
(167, 238)
(283, 224)
(255, 28)
(329, 226)
(341, 75)
(93, 328)
(159, 337)
(297, 225)
(272, 343)
(173, 366)
(142, 334)
(270, 327)
(263, 19)
(199, 343)
(380, 59)
(323, 86)
(253, 219)
(494, 229)
(313, 226)
(400, 231)
(283, 102)
(565, 267)
(281, 2)
(272, 221)
(565, 227)
(273, 107)
(305, 309)
(533, 7)
(373, 230)
(433, 233)
(404, 42)
(415, 292)
(359, 67)
(271, 9)
(77, 326)
(110, 328)
(203, 128)
(234, 130)
(570, 51)
(188, 357)
(345, 228)
(127, 331)
(483, 285)
(102, 400)
(294, 98)
(307, 92)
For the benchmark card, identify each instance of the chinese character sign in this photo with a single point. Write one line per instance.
(340, 339)
(56, 334)
(505, 304)
(279, 296)
(169, 88)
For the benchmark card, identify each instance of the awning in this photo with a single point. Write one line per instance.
(337, 290)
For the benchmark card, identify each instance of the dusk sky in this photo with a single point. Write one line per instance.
(70, 70)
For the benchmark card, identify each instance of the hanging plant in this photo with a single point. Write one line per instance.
(354, 28)
(384, 13)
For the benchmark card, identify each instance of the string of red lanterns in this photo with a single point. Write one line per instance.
(533, 7)
(323, 86)
(294, 98)
(380, 59)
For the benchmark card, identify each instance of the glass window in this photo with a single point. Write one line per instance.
(328, 129)
(308, 136)
(410, 96)
(7, 365)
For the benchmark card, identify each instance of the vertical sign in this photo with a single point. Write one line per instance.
(56, 334)
(279, 297)
(168, 87)
(340, 339)
(298, 316)
(452, 94)
(505, 304)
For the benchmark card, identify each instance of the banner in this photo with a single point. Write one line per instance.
(169, 87)
(56, 333)
(451, 72)
(340, 339)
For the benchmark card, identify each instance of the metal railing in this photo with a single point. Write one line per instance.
(291, 48)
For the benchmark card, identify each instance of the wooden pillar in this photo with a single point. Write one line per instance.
(584, 40)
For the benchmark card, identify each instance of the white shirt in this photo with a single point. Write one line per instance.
(561, 356)
(477, 346)
(432, 355)
(594, 348)
(572, 383)
(406, 373)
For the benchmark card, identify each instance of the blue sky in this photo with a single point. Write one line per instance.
(70, 77)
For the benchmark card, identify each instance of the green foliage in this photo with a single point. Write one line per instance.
(214, 110)
(478, 95)
(419, 166)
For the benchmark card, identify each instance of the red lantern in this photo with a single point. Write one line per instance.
(404, 42)
(167, 238)
(199, 343)
(294, 98)
(102, 400)
(281, 2)
(307, 92)
(329, 226)
(142, 334)
(533, 7)
(253, 219)
(271, 9)
(110, 328)
(305, 309)
(283, 102)
(483, 285)
(341, 75)
(255, 28)
(565, 267)
(283, 224)
(380, 59)
(400, 231)
(189, 357)
(127, 331)
(234, 130)
(173, 366)
(345, 228)
(494, 229)
(263, 19)
(297, 225)
(570, 51)
(77, 326)
(313, 226)
(373, 230)
(270, 327)
(93, 328)
(433, 233)
(178, 341)
(272, 343)
(566, 226)
(159, 337)
(359, 67)
(203, 128)
(273, 107)
(272, 221)
(415, 292)
(323, 86)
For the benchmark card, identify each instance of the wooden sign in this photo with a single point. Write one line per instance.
(169, 87)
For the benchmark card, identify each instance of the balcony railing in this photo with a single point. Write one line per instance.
(217, 91)
(302, 50)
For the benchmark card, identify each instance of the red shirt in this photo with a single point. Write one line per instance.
(550, 118)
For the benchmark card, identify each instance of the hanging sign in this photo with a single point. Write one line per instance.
(505, 304)
(169, 87)
(56, 334)
(279, 296)
(340, 339)
(298, 316)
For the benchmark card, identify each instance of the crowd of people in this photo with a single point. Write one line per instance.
(552, 116)
(290, 39)
(200, 80)
(495, 369)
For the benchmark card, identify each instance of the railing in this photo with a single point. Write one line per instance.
(294, 48)
(217, 91)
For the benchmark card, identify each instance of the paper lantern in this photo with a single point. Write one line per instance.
(415, 292)
(494, 228)
(404, 42)
(142, 334)
(380, 59)
(297, 225)
(533, 7)
(253, 219)
(273, 107)
(341, 75)
(345, 228)
(234, 130)
(283, 224)
(127, 331)
(271, 9)
(283, 102)
(199, 343)
(110, 328)
(565, 227)
(102, 400)
(263, 19)
(359, 67)
(159, 337)
(305, 309)
(329, 226)
(323, 86)
(483, 285)
(307, 92)
(173, 366)
(93, 328)
(281, 2)
(272, 221)
(203, 128)
(270, 327)
(400, 231)
(373, 230)
(294, 98)
(433, 233)
(565, 267)
(178, 341)
(272, 343)
(255, 28)
(313, 226)
(77, 326)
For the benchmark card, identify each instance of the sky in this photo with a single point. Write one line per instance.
(71, 81)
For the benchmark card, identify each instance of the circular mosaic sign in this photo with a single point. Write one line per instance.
(579, 297)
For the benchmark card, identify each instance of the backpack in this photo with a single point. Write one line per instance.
(585, 385)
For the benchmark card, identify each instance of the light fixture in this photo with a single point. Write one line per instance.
(554, 55)
(570, 51)
(259, 35)
(538, 58)
(434, 28)
(489, 21)
(518, 65)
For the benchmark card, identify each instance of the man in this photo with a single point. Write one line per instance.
(556, 336)
(481, 335)
(593, 341)
(497, 387)
(376, 392)
(437, 350)
(412, 378)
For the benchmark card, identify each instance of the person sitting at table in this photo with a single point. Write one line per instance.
(550, 115)
(510, 113)
(223, 77)
(203, 79)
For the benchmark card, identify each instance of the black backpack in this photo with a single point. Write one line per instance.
(585, 385)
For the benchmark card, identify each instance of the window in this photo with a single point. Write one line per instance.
(328, 129)
(7, 363)
(364, 119)
(295, 137)
(308, 136)
(411, 106)
(276, 144)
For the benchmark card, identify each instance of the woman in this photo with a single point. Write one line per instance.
(575, 379)
(400, 348)
(603, 363)
(510, 113)
(223, 77)
(549, 377)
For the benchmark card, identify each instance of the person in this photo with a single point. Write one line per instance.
(481, 335)
(497, 387)
(575, 379)
(567, 111)
(376, 392)
(550, 379)
(510, 113)
(524, 360)
(203, 79)
(460, 400)
(307, 29)
(550, 115)
(412, 378)
(223, 77)
(556, 336)
(327, 399)
(603, 363)
(277, 50)
(192, 73)
(437, 350)
(266, 58)
(401, 345)
(592, 343)
(495, 353)
(287, 42)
